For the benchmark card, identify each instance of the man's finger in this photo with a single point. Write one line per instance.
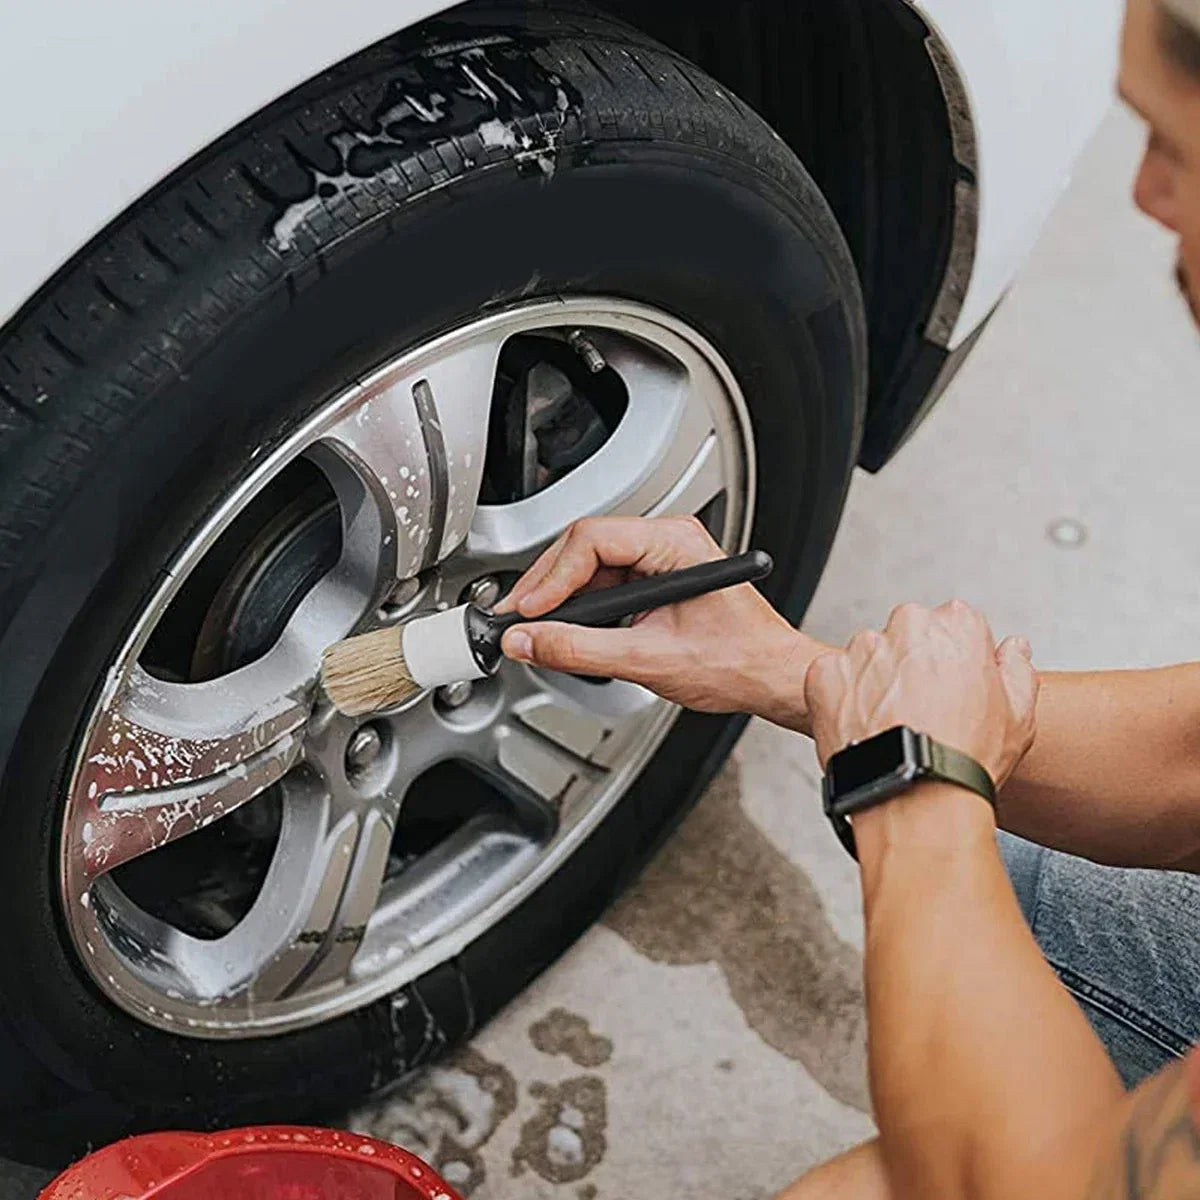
(1020, 644)
(605, 577)
(532, 577)
(824, 675)
(619, 653)
(1021, 683)
(906, 620)
(578, 559)
(959, 617)
(862, 646)
(648, 546)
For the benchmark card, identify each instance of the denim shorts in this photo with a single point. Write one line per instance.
(1125, 943)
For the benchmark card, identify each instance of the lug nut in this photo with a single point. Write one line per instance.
(484, 591)
(454, 695)
(364, 748)
(404, 593)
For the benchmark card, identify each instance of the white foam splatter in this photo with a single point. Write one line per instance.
(570, 1115)
(495, 133)
(564, 1147)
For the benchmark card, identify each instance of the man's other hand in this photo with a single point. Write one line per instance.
(937, 671)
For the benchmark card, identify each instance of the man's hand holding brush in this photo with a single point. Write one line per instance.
(726, 652)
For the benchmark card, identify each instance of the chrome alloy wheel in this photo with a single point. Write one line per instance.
(236, 858)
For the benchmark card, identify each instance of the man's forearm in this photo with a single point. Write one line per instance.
(984, 1073)
(1114, 773)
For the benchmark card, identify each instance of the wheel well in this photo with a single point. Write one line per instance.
(869, 100)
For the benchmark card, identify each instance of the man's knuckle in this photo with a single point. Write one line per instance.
(689, 530)
(581, 529)
(643, 660)
(864, 642)
(692, 532)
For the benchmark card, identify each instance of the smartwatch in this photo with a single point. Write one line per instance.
(868, 773)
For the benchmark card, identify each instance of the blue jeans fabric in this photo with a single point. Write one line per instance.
(1125, 943)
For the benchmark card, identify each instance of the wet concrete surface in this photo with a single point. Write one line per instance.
(721, 892)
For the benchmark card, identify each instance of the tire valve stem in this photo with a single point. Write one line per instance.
(586, 349)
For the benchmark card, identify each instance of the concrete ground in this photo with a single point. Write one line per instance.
(707, 1039)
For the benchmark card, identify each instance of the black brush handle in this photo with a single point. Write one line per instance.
(484, 630)
(655, 591)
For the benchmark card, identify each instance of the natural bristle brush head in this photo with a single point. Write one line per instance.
(367, 673)
(380, 670)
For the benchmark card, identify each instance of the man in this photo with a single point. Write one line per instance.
(989, 1077)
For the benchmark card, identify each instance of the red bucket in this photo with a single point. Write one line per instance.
(272, 1162)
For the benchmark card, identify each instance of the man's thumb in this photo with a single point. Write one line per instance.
(572, 648)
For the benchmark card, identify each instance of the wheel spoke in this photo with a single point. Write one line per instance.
(461, 385)
(338, 834)
(577, 730)
(415, 441)
(661, 446)
(305, 924)
(168, 758)
(339, 856)
(363, 872)
(553, 740)
(702, 481)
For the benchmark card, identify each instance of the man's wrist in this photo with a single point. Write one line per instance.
(932, 821)
(786, 658)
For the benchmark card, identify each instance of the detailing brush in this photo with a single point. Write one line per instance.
(381, 669)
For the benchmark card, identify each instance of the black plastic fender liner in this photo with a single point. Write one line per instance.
(872, 105)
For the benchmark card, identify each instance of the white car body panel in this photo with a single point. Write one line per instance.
(100, 101)
(1040, 74)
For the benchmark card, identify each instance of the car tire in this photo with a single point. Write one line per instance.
(218, 312)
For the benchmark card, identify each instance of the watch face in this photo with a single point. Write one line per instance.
(868, 762)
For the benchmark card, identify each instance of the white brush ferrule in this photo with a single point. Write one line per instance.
(437, 651)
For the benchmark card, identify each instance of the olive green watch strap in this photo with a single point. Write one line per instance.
(953, 766)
